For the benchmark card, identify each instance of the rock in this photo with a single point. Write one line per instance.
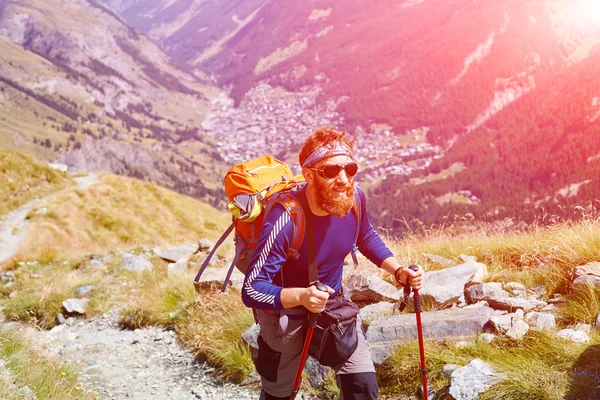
(592, 268)
(250, 336)
(499, 299)
(315, 372)
(60, 319)
(371, 289)
(26, 393)
(205, 245)
(487, 337)
(440, 260)
(175, 254)
(573, 335)
(588, 274)
(59, 166)
(75, 306)
(517, 330)
(83, 290)
(518, 316)
(373, 311)
(447, 286)
(385, 333)
(468, 382)
(467, 258)
(583, 281)
(511, 286)
(501, 323)
(448, 369)
(177, 267)
(540, 320)
(136, 263)
(216, 276)
(597, 325)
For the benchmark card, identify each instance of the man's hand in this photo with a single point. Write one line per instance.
(314, 300)
(405, 275)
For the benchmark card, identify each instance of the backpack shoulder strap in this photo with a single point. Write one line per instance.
(356, 208)
(294, 207)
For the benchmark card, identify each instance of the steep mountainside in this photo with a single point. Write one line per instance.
(80, 86)
(507, 89)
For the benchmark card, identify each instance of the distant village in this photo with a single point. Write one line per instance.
(273, 121)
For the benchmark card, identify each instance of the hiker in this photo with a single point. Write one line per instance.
(277, 287)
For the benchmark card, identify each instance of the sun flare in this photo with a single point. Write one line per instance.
(591, 9)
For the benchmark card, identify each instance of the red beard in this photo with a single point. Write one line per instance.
(331, 201)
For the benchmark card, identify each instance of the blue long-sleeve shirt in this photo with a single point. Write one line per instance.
(270, 269)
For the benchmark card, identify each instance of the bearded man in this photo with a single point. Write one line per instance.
(278, 287)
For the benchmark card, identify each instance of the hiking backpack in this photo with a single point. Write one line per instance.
(252, 188)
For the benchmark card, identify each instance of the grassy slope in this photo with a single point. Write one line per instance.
(22, 179)
(118, 213)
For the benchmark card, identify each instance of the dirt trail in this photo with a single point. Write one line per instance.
(145, 363)
(13, 227)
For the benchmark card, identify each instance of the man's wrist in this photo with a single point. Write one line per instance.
(396, 275)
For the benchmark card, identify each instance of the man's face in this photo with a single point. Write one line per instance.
(334, 195)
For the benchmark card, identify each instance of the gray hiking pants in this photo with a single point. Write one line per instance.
(280, 348)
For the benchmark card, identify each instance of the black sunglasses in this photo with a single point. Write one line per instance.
(330, 171)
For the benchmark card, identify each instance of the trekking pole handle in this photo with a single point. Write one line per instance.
(312, 319)
(417, 297)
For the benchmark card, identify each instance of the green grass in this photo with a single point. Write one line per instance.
(23, 179)
(25, 366)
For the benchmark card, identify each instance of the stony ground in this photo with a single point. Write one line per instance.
(141, 364)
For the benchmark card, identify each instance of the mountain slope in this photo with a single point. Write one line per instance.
(78, 85)
(507, 90)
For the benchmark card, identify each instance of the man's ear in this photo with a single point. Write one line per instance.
(308, 176)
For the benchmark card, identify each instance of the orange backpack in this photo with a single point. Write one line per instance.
(253, 187)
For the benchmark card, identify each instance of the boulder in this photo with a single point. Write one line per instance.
(540, 320)
(443, 261)
(499, 299)
(174, 254)
(455, 324)
(573, 335)
(83, 290)
(216, 276)
(518, 330)
(75, 306)
(136, 263)
(205, 245)
(588, 274)
(446, 286)
(371, 289)
(381, 309)
(468, 382)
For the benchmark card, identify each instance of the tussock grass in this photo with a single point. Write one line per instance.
(538, 367)
(22, 179)
(539, 255)
(220, 344)
(116, 214)
(25, 366)
(582, 306)
(40, 289)
(158, 299)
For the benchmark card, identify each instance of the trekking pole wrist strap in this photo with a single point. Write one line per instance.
(396, 277)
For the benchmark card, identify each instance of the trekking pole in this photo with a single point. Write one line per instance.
(417, 301)
(312, 323)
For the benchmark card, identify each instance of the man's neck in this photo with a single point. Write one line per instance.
(312, 202)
